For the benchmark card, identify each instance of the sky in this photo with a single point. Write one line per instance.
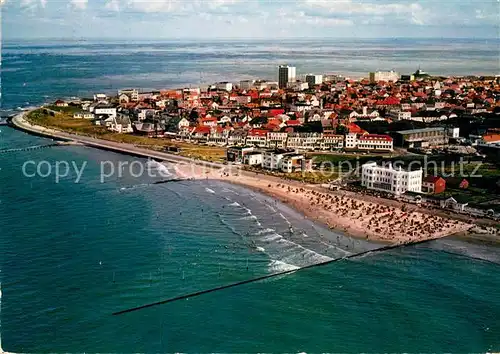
(263, 19)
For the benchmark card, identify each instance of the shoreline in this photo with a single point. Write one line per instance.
(351, 215)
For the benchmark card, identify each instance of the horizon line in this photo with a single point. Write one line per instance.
(238, 38)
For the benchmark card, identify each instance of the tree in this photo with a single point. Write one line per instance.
(341, 130)
(193, 116)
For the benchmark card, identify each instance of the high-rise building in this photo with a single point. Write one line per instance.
(286, 74)
(314, 80)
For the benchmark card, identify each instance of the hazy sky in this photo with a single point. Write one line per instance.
(249, 19)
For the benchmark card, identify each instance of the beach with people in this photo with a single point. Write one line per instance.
(354, 216)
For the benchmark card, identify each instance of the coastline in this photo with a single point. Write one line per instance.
(356, 217)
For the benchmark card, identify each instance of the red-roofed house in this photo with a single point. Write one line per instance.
(209, 121)
(257, 137)
(375, 142)
(433, 185)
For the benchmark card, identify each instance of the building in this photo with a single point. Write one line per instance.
(61, 103)
(237, 153)
(384, 76)
(297, 85)
(271, 159)
(102, 109)
(391, 180)
(304, 141)
(374, 142)
(247, 84)
(294, 163)
(84, 115)
(433, 185)
(132, 94)
(421, 138)
(332, 141)
(225, 86)
(369, 142)
(253, 158)
(314, 80)
(277, 140)
(286, 74)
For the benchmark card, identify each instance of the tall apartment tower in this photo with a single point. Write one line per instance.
(286, 74)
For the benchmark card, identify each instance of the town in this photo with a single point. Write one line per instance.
(283, 125)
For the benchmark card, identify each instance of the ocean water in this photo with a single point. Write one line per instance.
(71, 254)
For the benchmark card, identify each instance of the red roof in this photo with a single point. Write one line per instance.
(354, 128)
(257, 132)
(202, 130)
(275, 112)
(375, 137)
(432, 179)
(293, 123)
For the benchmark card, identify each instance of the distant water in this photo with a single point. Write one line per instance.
(72, 254)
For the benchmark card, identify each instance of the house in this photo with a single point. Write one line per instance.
(61, 103)
(131, 94)
(257, 137)
(238, 153)
(123, 98)
(433, 185)
(183, 124)
(121, 124)
(149, 129)
(83, 115)
(253, 158)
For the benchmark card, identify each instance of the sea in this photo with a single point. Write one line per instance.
(78, 246)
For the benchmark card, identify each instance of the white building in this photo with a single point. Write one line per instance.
(277, 139)
(314, 80)
(286, 74)
(271, 159)
(384, 76)
(226, 86)
(369, 142)
(391, 180)
(104, 109)
(304, 141)
(253, 158)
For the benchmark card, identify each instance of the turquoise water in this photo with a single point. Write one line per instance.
(71, 254)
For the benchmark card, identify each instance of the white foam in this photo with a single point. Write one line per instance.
(279, 266)
(235, 204)
(265, 231)
(261, 249)
(272, 237)
(210, 190)
(249, 217)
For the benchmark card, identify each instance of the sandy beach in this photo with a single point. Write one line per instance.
(356, 217)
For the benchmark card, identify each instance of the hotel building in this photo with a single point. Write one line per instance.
(391, 180)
